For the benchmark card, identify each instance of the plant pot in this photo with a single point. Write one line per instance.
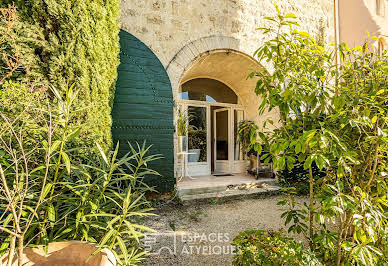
(193, 158)
(182, 143)
(64, 253)
(248, 165)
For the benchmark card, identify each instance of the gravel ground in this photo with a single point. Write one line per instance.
(201, 233)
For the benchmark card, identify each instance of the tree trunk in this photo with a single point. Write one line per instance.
(20, 250)
(339, 241)
(311, 208)
(11, 251)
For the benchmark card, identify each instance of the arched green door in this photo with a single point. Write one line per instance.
(143, 108)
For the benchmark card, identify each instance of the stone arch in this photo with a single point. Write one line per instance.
(193, 50)
(218, 58)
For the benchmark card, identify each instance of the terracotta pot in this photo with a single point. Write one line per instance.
(70, 253)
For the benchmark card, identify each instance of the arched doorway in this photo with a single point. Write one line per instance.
(215, 92)
(214, 113)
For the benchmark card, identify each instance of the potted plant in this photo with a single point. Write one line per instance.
(64, 253)
(245, 128)
(197, 145)
(181, 130)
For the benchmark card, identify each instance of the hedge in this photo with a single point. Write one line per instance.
(72, 41)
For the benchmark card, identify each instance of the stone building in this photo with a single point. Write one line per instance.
(195, 56)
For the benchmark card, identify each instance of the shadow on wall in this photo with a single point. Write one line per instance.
(356, 18)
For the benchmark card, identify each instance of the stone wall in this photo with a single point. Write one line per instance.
(166, 26)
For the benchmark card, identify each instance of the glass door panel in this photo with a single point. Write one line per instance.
(222, 140)
(198, 140)
(239, 164)
(238, 117)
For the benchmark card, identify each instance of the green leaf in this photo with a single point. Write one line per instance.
(55, 146)
(273, 148)
(46, 190)
(309, 135)
(282, 162)
(107, 237)
(290, 15)
(282, 203)
(123, 248)
(302, 157)
(74, 134)
(258, 148)
(38, 169)
(308, 163)
(64, 232)
(66, 161)
(102, 154)
(6, 221)
(51, 214)
(4, 246)
(298, 147)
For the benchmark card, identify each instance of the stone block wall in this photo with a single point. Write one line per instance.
(167, 26)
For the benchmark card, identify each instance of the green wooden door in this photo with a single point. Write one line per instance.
(143, 108)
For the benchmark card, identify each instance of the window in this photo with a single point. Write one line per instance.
(207, 90)
(380, 7)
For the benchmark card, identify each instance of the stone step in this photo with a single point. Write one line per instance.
(260, 186)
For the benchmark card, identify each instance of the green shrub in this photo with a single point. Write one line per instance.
(257, 247)
(18, 41)
(66, 42)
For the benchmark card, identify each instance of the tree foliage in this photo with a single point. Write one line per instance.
(336, 118)
(66, 42)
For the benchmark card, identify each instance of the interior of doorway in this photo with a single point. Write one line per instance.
(201, 98)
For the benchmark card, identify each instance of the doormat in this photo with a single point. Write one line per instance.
(222, 174)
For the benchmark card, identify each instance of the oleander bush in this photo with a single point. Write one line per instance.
(47, 194)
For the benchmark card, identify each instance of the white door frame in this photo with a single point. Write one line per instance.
(238, 166)
(201, 168)
(204, 168)
(218, 164)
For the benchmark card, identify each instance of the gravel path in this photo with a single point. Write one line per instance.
(201, 233)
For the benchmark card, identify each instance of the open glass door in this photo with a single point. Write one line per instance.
(222, 140)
